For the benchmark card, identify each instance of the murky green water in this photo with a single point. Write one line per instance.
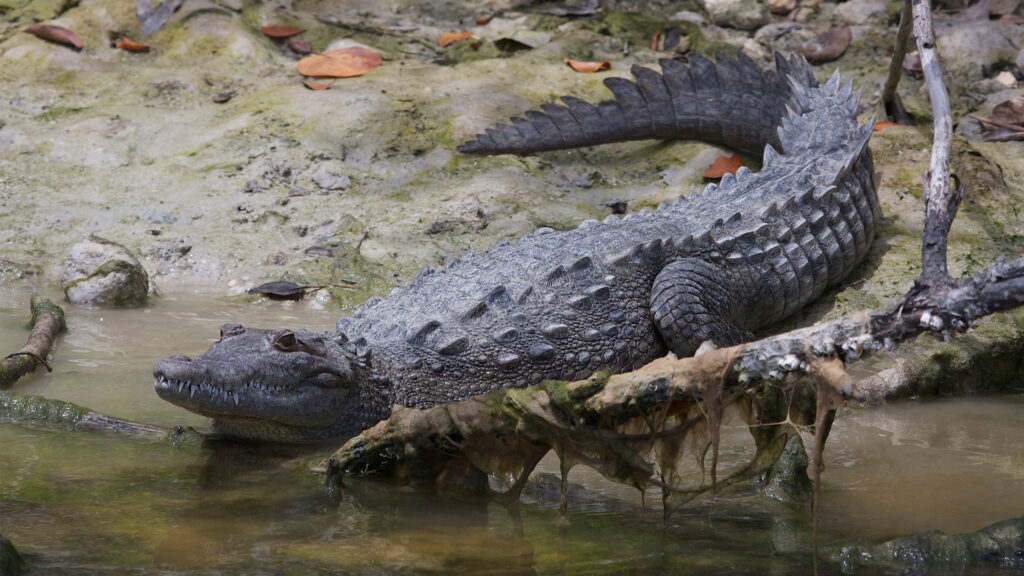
(81, 503)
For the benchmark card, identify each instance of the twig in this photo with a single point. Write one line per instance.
(47, 323)
(890, 98)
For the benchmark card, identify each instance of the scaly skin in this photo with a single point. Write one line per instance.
(608, 295)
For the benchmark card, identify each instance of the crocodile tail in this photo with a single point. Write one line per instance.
(728, 101)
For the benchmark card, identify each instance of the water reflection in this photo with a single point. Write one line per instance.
(78, 503)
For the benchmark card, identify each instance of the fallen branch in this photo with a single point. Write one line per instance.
(47, 323)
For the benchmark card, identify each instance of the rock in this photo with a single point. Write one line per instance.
(862, 11)
(998, 8)
(741, 14)
(100, 272)
(1020, 62)
(781, 7)
(969, 49)
(327, 176)
(10, 561)
(1006, 79)
(162, 218)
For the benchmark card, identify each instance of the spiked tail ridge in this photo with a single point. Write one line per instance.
(729, 101)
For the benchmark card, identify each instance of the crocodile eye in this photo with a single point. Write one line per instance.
(286, 341)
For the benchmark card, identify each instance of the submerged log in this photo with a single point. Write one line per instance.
(47, 323)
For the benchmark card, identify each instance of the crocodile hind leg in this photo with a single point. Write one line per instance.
(693, 301)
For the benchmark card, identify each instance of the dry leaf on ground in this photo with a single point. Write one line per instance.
(315, 85)
(724, 164)
(128, 45)
(281, 31)
(884, 125)
(587, 67)
(57, 34)
(452, 37)
(1006, 122)
(343, 63)
(827, 46)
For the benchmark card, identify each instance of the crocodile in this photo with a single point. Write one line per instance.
(611, 295)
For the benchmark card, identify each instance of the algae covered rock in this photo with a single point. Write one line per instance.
(10, 561)
(740, 14)
(101, 272)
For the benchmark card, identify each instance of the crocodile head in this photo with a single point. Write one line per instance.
(279, 385)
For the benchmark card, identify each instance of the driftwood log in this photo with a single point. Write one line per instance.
(47, 323)
(633, 427)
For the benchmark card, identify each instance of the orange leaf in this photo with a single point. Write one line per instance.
(587, 67)
(884, 125)
(57, 34)
(724, 164)
(316, 85)
(344, 63)
(127, 44)
(452, 37)
(281, 31)
(483, 20)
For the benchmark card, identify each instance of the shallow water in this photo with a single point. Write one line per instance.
(83, 503)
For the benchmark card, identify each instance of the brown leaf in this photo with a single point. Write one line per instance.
(315, 85)
(280, 32)
(587, 67)
(827, 46)
(673, 39)
(483, 20)
(724, 164)
(128, 45)
(224, 97)
(344, 63)
(57, 34)
(452, 37)
(1010, 112)
(884, 125)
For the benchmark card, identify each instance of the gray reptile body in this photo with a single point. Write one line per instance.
(607, 295)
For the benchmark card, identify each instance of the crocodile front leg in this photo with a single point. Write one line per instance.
(693, 301)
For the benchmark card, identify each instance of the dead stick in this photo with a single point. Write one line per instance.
(940, 204)
(898, 55)
(47, 323)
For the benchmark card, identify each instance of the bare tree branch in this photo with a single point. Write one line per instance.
(47, 323)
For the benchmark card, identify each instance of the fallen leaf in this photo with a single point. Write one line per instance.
(587, 67)
(299, 46)
(724, 164)
(128, 45)
(315, 85)
(280, 290)
(57, 34)
(884, 125)
(224, 97)
(1010, 112)
(1011, 18)
(827, 46)
(452, 37)
(343, 63)
(670, 40)
(280, 32)
(483, 20)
